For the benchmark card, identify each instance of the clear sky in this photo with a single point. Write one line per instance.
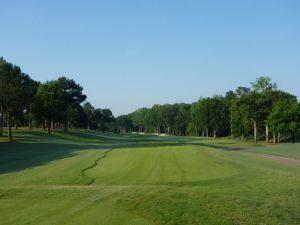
(129, 54)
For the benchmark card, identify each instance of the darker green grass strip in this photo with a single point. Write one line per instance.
(83, 171)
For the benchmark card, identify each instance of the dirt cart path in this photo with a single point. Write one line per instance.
(280, 159)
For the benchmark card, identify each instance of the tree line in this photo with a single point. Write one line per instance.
(260, 111)
(52, 104)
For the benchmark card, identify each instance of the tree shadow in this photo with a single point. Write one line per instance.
(18, 156)
(149, 144)
(37, 148)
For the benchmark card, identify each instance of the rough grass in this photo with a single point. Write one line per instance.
(72, 178)
(286, 150)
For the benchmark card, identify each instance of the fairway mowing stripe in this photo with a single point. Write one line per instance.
(179, 168)
(83, 172)
(78, 187)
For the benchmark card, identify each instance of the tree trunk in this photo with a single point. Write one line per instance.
(1, 126)
(44, 125)
(1, 120)
(49, 127)
(206, 132)
(255, 131)
(274, 138)
(267, 134)
(293, 137)
(278, 138)
(231, 124)
(66, 126)
(29, 124)
(10, 137)
(215, 134)
(203, 132)
(242, 137)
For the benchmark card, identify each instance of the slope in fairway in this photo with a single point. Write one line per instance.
(159, 165)
(73, 178)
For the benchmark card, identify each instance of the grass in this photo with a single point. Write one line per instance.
(286, 150)
(91, 178)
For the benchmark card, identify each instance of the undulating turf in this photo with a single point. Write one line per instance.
(83, 177)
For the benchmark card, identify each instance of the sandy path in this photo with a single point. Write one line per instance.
(280, 159)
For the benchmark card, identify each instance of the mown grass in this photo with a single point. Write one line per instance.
(72, 178)
(286, 150)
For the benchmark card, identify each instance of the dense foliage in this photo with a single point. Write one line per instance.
(52, 104)
(248, 112)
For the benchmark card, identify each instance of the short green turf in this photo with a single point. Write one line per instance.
(286, 150)
(85, 177)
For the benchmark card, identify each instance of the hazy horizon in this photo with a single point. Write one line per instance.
(134, 54)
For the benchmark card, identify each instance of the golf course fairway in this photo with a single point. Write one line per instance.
(86, 177)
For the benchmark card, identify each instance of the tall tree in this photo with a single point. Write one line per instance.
(230, 96)
(263, 88)
(30, 89)
(77, 116)
(285, 117)
(50, 104)
(124, 123)
(204, 115)
(107, 117)
(157, 117)
(241, 113)
(14, 94)
(218, 112)
(138, 118)
(88, 109)
(71, 94)
(182, 119)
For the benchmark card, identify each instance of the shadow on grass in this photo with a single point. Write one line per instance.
(17, 156)
(220, 146)
(37, 148)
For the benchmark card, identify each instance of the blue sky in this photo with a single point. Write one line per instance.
(130, 54)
